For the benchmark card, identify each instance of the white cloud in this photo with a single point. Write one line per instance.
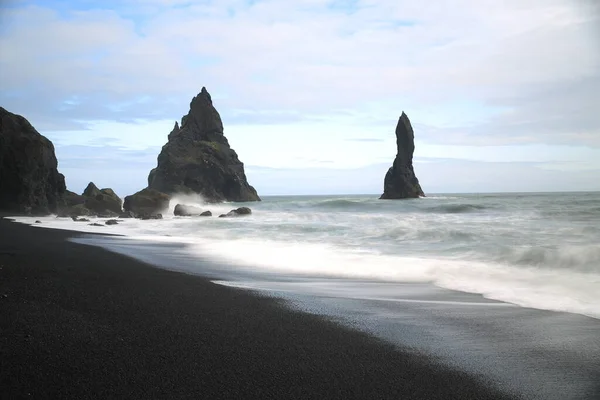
(302, 78)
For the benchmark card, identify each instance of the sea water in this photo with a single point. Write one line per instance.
(538, 250)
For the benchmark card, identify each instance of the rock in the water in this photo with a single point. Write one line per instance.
(183, 210)
(95, 224)
(127, 214)
(102, 201)
(29, 179)
(197, 158)
(206, 214)
(112, 222)
(150, 216)
(38, 222)
(400, 181)
(237, 212)
(146, 202)
(77, 219)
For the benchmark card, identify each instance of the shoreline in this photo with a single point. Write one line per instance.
(82, 322)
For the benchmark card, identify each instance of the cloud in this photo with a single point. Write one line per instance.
(310, 59)
(322, 78)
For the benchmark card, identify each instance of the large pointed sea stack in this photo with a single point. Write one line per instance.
(400, 181)
(197, 158)
(29, 179)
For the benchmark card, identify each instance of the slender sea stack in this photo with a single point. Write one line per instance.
(197, 158)
(29, 179)
(400, 181)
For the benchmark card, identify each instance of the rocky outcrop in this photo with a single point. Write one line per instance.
(29, 179)
(197, 158)
(101, 201)
(146, 203)
(183, 210)
(237, 212)
(400, 181)
(93, 201)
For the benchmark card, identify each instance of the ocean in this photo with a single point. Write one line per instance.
(539, 250)
(504, 286)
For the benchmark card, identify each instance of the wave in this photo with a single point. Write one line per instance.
(585, 258)
(558, 290)
(457, 208)
(342, 204)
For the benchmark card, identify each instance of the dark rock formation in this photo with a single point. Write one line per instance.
(183, 210)
(146, 202)
(102, 201)
(112, 222)
(73, 199)
(197, 158)
(29, 179)
(237, 212)
(95, 224)
(400, 181)
(206, 214)
(127, 214)
(150, 216)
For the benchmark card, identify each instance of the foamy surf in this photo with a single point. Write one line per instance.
(505, 247)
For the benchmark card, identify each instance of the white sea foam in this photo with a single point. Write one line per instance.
(506, 248)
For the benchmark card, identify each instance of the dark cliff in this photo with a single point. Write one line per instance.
(29, 178)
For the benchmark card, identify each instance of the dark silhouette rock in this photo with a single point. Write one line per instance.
(197, 158)
(38, 222)
(150, 216)
(73, 199)
(29, 179)
(102, 201)
(206, 214)
(400, 181)
(146, 202)
(112, 222)
(183, 210)
(77, 219)
(126, 214)
(95, 224)
(237, 212)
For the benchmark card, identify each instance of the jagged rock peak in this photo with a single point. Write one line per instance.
(91, 190)
(198, 159)
(400, 181)
(203, 117)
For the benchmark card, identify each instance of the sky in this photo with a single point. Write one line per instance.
(502, 95)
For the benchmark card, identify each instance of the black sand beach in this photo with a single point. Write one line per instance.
(80, 322)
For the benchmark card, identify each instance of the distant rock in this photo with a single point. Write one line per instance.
(102, 201)
(29, 179)
(73, 199)
(95, 224)
(112, 222)
(206, 214)
(77, 219)
(147, 202)
(126, 214)
(150, 216)
(197, 158)
(183, 210)
(237, 212)
(400, 181)
(38, 222)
